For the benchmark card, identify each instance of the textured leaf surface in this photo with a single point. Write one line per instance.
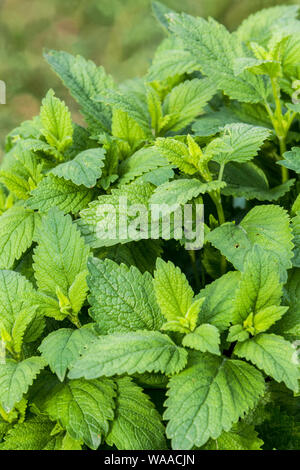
(33, 434)
(267, 226)
(220, 391)
(56, 121)
(16, 378)
(64, 346)
(122, 299)
(143, 351)
(84, 80)
(54, 191)
(17, 228)
(182, 191)
(142, 161)
(216, 49)
(84, 409)
(243, 142)
(274, 355)
(60, 255)
(136, 425)
(292, 160)
(259, 287)
(241, 437)
(188, 101)
(205, 338)
(84, 169)
(218, 306)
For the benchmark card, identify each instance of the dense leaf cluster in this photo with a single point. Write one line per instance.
(140, 344)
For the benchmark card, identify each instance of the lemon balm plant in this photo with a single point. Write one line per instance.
(139, 344)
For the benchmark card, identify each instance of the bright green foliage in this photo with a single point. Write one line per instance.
(143, 161)
(216, 50)
(292, 160)
(137, 425)
(183, 190)
(274, 355)
(239, 143)
(142, 351)
(84, 169)
(33, 434)
(17, 229)
(112, 326)
(60, 255)
(64, 346)
(15, 379)
(205, 338)
(240, 437)
(266, 226)
(175, 298)
(54, 191)
(56, 122)
(83, 408)
(122, 299)
(218, 397)
(84, 80)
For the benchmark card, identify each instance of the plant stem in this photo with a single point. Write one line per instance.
(221, 171)
(280, 126)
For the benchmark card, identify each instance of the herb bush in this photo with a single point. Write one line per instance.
(143, 344)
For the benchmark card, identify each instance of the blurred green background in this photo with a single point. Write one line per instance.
(119, 34)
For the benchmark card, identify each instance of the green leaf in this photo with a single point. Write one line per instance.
(260, 26)
(126, 129)
(85, 169)
(122, 299)
(131, 103)
(120, 353)
(54, 191)
(33, 434)
(291, 159)
(289, 325)
(274, 355)
(215, 49)
(170, 62)
(239, 143)
(64, 346)
(266, 226)
(136, 425)
(56, 122)
(60, 255)
(183, 190)
(16, 378)
(143, 161)
(17, 317)
(249, 181)
(177, 153)
(84, 80)
(242, 436)
(188, 100)
(205, 338)
(218, 306)
(96, 220)
(219, 391)
(175, 297)
(83, 408)
(259, 287)
(17, 229)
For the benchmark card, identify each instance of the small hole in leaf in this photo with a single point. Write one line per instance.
(236, 245)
